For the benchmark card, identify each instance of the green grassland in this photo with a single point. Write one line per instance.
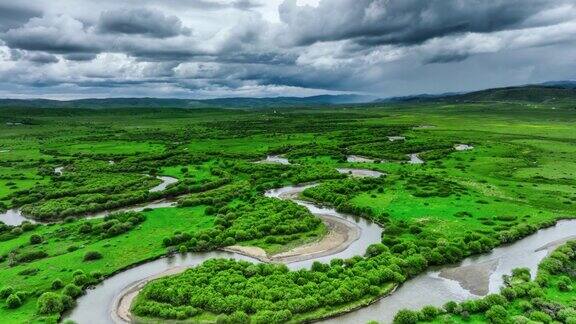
(121, 251)
(520, 176)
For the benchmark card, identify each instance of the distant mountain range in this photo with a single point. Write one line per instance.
(549, 91)
(323, 100)
(545, 92)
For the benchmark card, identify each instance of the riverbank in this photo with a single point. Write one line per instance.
(341, 233)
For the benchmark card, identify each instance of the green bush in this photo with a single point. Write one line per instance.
(13, 301)
(564, 283)
(406, 316)
(81, 280)
(6, 291)
(50, 303)
(497, 314)
(72, 290)
(35, 239)
(428, 313)
(57, 284)
(540, 316)
(92, 255)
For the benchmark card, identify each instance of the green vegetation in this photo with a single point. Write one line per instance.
(519, 177)
(268, 293)
(549, 298)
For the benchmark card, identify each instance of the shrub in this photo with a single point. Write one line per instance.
(540, 317)
(406, 316)
(509, 293)
(92, 255)
(35, 239)
(27, 226)
(77, 272)
(57, 284)
(497, 314)
(566, 313)
(564, 283)
(6, 291)
(29, 272)
(67, 302)
(72, 290)
(31, 256)
(96, 275)
(80, 280)
(428, 313)
(50, 303)
(451, 307)
(239, 317)
(13, 301)
(495, 299)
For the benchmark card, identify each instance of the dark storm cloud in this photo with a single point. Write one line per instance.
(43, 58)
(13, 15)
(80, 57)
(141, 21)
(214, 5)
(375, 22)
(446, 58)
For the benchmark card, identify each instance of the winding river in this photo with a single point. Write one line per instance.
(475, 276)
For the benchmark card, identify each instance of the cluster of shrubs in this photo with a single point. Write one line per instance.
(339, 193)
(14, 299)
(263, 217)
(271, 293)
(8, 232)
(113, 225)
(16, 257)
(62, 296)
(521, 300)
(52, 302)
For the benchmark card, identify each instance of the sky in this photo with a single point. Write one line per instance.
(69, 49)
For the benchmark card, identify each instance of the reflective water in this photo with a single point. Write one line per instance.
(431, 289)
(415, 159)
(361, 173)
(166, 181)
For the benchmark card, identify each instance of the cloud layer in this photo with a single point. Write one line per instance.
(210, 48)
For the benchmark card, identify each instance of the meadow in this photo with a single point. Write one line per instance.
(518, 177)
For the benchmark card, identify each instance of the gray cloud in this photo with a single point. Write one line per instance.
(57, 34)
(13, 15)
(42, 58)
(74, 48)
(403, 21)
(141, 21)
(80, 57)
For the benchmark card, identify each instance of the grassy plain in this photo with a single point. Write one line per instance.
(520, 172)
